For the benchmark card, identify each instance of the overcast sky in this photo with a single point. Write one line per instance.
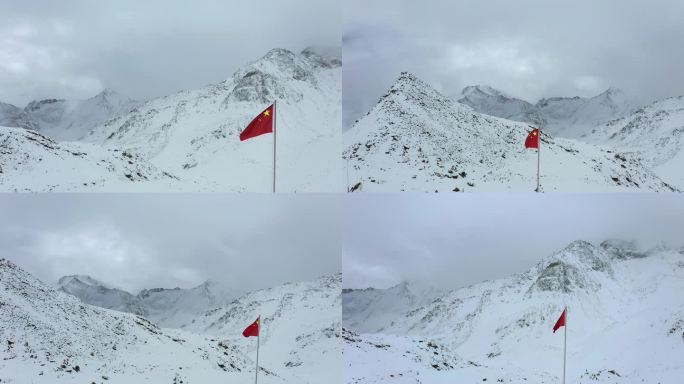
(455, 240)
(74, 49)
(135, 241)
(527, 48)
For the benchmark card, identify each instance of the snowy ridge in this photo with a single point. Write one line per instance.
(416, 139)
(505, 325)
(92, 292)
(487, 100)
(571, 117)
(575, 117)
(30, 161)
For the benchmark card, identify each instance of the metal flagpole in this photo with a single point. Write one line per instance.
(565, 341)
(347, 174)
(538, 154)
(256, 373)
(274, 144)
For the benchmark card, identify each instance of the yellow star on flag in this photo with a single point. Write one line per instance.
(266, 113)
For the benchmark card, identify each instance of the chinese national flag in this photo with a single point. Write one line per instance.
(252, 329)
(560, 322)
(532, 140)
(261, 124)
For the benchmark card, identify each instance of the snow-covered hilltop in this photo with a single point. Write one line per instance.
(193, 134)
(31, 161)
(625, 324)
(416, 139)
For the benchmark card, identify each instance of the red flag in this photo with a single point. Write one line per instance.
(560, 322)
(252, 329)
(532, 140)
(260, 125)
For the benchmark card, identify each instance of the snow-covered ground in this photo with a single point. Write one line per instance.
(49, 336)
(192, 135)
(416, 139)
(625, 325)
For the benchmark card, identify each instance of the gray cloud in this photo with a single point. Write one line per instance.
(530, 49)
(454, 240)
(74, 49)
(135, 241)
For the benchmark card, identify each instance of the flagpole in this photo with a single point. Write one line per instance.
(347, 174)
(274, 144)
(256, 373)
(565, 340)
(538, 155)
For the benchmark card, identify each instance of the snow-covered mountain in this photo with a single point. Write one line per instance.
(30, 161)
(654, 132)
(174, 307)
(193, 134)
(570, 117)
(487, 100)
(48, 328)
(69, 120)
(92, 292)
(575, 117)
(369, 310)
(416, 139)
(49, 336)
(11, 116)
(625, 324)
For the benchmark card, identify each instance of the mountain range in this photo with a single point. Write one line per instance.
(625, 323)
(53, 335)
(416, 139)
(191, 137)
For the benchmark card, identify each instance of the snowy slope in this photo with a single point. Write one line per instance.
(30, 161)
(51, 337)
(68, 120)
(626, 324)
(301, 327)
(195, 133)
(416, 139)
(487, 100)
(655, 133)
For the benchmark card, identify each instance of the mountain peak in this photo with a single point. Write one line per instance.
(82, 279)
(471, 90)
(277, 53)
